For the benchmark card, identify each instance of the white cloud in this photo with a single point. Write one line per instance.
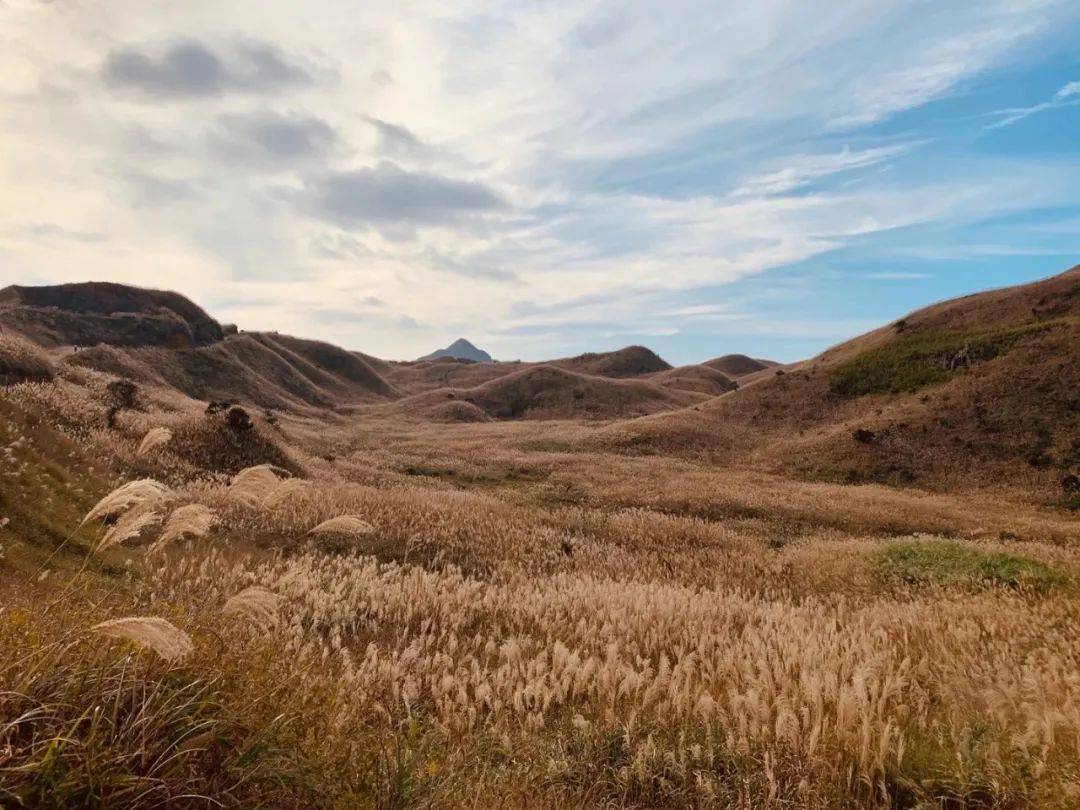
(477, 167)
(1070, 89)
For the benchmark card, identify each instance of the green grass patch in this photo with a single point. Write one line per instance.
(911, 362)
(924, 562)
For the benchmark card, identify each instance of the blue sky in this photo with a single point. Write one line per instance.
(543, 178)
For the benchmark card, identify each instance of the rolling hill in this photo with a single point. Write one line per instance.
(738, 365)
(95, 312)
(547, 392)
(978, 390)
(981, 389)
(631, 361)
(701, 379)
(162, 339)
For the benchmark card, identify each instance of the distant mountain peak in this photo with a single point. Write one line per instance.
(460, 349)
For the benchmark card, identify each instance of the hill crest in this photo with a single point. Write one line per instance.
(96, 312)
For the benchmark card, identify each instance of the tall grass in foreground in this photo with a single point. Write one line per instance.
(465, 648)
(646, 692)
(84, 724)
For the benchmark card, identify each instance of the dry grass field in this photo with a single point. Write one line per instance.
(365, 606)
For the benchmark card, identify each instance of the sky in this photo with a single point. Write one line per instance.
(543, 177)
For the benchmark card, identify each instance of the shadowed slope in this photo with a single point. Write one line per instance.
(271, 371)
(101, 312)
(159, 337)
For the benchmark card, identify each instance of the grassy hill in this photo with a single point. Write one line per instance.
(550, 392)
(631, 361)
(978, 390)
(95, 312)
(738, 365)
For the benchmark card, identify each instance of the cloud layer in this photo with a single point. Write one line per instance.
(545, 177)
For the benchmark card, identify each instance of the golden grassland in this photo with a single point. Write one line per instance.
(499, 614)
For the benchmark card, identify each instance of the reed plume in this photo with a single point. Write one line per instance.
(155, 437)
(344, 524)
(192, 520)
(253, 485)
(131, 524)
(159, 635)
(289, 488)
(258, 604)
(145, 491)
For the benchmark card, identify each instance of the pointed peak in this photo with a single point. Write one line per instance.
(460, 349)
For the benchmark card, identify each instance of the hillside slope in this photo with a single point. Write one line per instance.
(980, 389)
(271, 371)
(418, 376)
(95, 312)
(157, 337)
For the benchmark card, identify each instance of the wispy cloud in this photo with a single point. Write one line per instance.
(803, 170)
(1066, 96)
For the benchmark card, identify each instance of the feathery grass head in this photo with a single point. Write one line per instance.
(257, 604)
(252, 486)
(145, 491)
(130, 525)
(155, 437)
(289, 488)
(192, 520)
(159, 635)
(344, 524)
